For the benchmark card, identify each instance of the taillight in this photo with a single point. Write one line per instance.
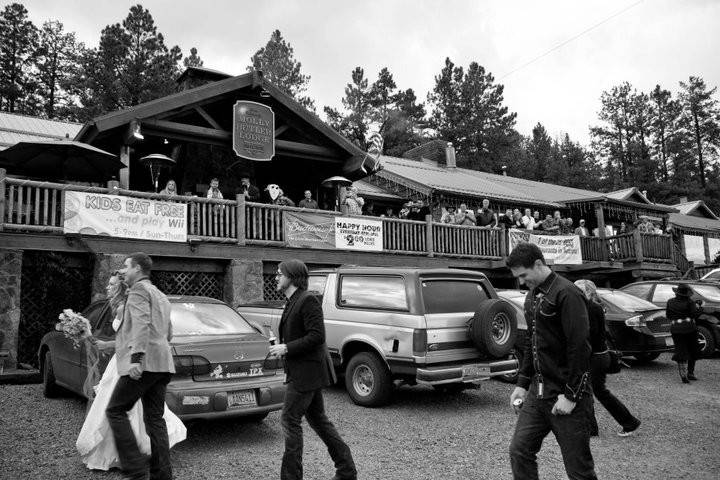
(419, 342)
(191, 365)
(636, 321)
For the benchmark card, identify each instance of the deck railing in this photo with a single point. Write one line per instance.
(32, 206)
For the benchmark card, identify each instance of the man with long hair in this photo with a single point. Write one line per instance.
(308, 370)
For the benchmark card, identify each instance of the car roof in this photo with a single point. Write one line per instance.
(673, 282)
(193, 299)
(401, 271)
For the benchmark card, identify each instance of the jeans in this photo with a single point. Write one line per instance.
(571, 431)
(310, 404)
(598, 366)
(150, 388)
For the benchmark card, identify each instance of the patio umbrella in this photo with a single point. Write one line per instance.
(336, 182)
(60, 159)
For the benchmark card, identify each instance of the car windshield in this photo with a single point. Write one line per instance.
(625, 301)
(192, 318)
(710, 292)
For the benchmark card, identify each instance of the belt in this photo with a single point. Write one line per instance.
(682, 320)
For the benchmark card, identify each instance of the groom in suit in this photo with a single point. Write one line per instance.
(145, 365)
(308, 369)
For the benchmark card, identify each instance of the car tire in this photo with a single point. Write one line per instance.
(512, 377)
(50, 388)
(646, 357)
(493, 328)
(706, 341)
(368, 380)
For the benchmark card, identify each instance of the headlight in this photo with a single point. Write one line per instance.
(636, 321)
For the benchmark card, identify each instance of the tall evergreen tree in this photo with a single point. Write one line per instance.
(131, 65)
(193, 60)
(56, 61)
(18, 41)
(468, 110)
(701, 119)
(610, 140)
(540, 151)
(664, 112)
(355, 124)
(278, 64)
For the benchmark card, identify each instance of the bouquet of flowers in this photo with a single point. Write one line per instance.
(74, 326)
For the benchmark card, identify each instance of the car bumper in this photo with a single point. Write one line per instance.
(645, 343)
(465, 373)
(189, 399)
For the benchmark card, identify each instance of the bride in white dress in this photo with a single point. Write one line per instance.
(95, 443)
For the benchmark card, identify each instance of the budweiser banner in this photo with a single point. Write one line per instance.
(126, 217)
(561, 249)
(309, 230)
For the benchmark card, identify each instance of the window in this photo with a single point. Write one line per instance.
(709, 292)
(451, 296)
(714, 275)
(316, 283)
(373, 291)
(640, 290)
(663, 293)
(190, 318)
(624, 301)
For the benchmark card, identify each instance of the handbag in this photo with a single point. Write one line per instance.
(616, 363)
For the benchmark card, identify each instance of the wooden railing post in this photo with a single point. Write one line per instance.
(503, 242)
(706, 247)
(429, 235)
(240, 218)
(637, 238)
(3, 175)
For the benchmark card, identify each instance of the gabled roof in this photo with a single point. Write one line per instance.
(16, 128)
(629, 194)
(693, 222)
(696, 208)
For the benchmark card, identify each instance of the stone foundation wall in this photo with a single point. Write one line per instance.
(10, 277)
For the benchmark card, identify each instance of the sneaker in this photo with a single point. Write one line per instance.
(626, 432)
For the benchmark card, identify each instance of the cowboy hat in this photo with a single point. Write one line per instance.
(682, 290)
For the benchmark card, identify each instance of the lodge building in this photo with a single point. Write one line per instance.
(229, 248)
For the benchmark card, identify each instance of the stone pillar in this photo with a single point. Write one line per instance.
(105, 264)
(243, 282)
(10, 275)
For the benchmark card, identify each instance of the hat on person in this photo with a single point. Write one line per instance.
(682, 290)
(588, 288)
(644, 217)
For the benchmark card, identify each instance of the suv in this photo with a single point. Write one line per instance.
(440, 327)
(708, 324)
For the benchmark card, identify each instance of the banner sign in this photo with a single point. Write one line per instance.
(356, 233)
(694, 248)
(126, 217)
(253, 131)
(561, 249)
(312, 230)
(309, 230)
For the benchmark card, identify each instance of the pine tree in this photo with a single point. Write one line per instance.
(277, 62)
(355, 124)
(664, 112)
(193, 60)
(540, 150)
(18, 41)
(701, 119)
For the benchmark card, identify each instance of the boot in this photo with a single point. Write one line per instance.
(691, 370)
(682, 370)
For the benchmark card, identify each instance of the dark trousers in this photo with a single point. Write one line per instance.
(598, 365)
(150, 388)
(687, 349)
(571, 431)
(310, 404)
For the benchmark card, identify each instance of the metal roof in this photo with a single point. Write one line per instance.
(627, 194)
(696, 206)
(693, 222)
(16, 128)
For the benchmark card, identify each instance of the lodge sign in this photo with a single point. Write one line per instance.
(253, 131)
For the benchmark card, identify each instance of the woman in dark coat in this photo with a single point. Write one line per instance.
(682, 311)
(599, 363)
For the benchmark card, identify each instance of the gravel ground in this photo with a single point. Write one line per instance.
(422, 435)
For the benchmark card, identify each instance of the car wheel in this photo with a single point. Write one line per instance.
(706, 341)
(368, 380)
(512, 377)
(50, 388)
(646, 357)
(493, 328)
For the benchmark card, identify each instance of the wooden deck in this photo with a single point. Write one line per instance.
(32, 216)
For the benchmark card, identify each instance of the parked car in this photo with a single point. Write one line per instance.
(517, 299)
(634, 326)
(440, 327)
(708, 324)
(712, 276)
(221, 361)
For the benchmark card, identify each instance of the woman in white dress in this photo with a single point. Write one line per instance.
(95, 442)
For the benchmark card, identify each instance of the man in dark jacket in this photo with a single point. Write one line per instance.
(308, 370)
(682, 311)
(553, 380)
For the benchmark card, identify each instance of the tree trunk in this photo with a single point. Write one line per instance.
(698, 142)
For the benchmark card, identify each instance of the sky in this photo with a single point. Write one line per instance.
(555, 57)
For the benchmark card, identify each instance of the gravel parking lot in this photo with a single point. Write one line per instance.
(424, 434)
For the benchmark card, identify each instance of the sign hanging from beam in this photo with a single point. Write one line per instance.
(253, 131)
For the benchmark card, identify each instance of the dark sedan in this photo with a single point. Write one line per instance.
(708, 325)
(634, 326)
(221, 361)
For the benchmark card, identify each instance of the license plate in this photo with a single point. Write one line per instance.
(475, 371)
(669, 342)
(243, 398)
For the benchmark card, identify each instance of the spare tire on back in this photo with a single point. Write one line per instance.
(493, 328)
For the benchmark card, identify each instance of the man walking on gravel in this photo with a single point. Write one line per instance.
(552, 386)
(308, 370)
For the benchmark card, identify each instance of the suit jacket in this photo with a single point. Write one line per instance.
(302, 330)
(145, 329)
